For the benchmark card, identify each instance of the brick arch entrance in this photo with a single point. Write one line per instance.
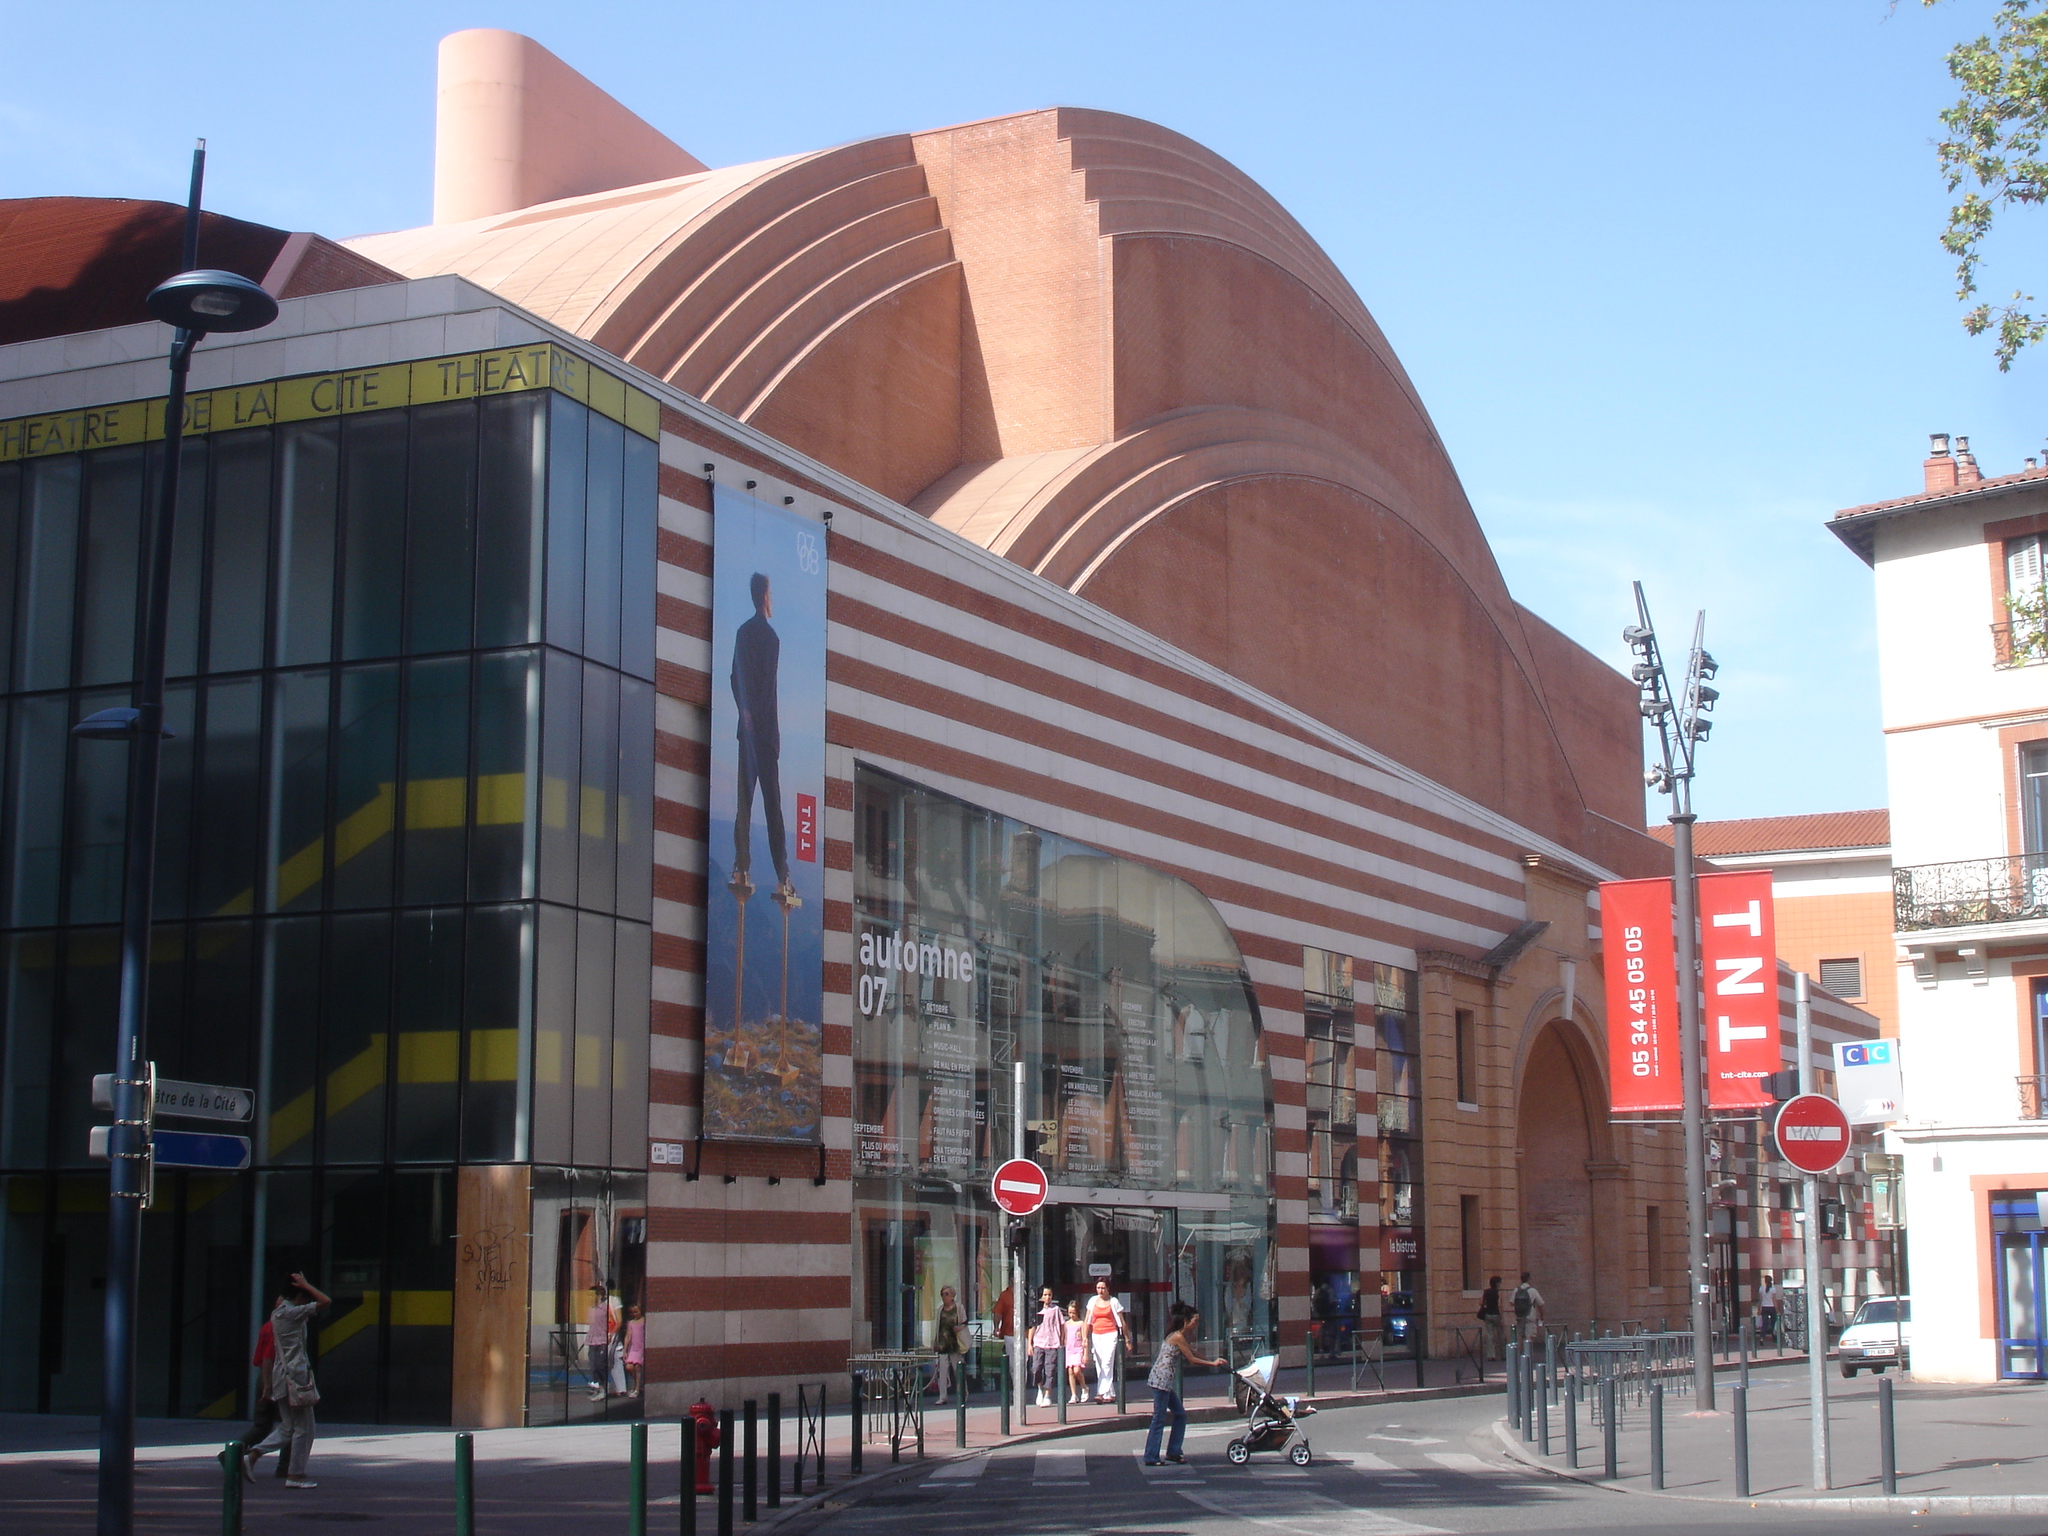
(1554, 1138)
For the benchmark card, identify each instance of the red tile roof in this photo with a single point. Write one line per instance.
(1855, 526)
(1785, 834)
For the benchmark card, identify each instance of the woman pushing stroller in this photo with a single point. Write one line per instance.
(1166, 1403)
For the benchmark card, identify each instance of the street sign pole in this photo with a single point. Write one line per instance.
(1692, 1051)
(1816, 1310)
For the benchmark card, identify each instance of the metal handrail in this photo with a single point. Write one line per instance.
(1968, 892)
(2033, 1088)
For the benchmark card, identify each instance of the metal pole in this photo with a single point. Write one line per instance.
(854, 1421)
(231, 1490)
(775, 1450)
(1019, 1354)
(960, 1420)
(1742, 1332)
(750, 1472)
(1528, 1395)
(1741, 1407)
(1543, 1420)
(465, 1485)
(1121, 1406)
(1309, 1356)
(1692, 1065)
(128, 1149)
(1006, 1399)
(636, 1505)
(1609, 1430)
(725, 1439)
(822, 1421)
(1816, 1304)
(687, 1514)
(1571, 1424)
(1657, 1436)
(1887, 1447)
(1514, 1375)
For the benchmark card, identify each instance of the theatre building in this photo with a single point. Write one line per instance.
(711, 704)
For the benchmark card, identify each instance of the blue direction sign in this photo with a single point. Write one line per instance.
(199, 1149)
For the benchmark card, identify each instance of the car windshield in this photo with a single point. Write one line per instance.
(1885, 1311)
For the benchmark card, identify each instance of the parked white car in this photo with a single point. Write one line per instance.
(1879, 1336)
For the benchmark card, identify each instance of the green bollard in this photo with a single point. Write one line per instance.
(231, 1490)
(636, 1507)
(1309, 1351)
(1006, 1398)
(687, 1522)
(960, 1418)
(465, 1485)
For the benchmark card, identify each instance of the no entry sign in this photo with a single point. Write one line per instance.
(1812, 1133)
(1019, 1186)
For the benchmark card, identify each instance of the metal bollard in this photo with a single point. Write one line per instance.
(1004, 1396)
(1550, 1362)
(960, 1420)
(1418, 1362)
(1739, 1406)
(914, 1403)
(231, 1490)
(854, 1419)
(687, 1513)
(1887, 1447)
(1514, 1375)
(1063, 1389)
(1120, 1402)
(1745, 1354)
(725, 1439)
(1528, 1396)
(1571, 1424)
(775, 1450)
(1609, 1430)
(750, 1474)
(1309, 1354)
(822, 1421)
(465, 1485)
(636, 1496)
(1543, 1419)
(1657, 1436)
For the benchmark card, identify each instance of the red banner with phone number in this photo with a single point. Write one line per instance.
(1642, 995)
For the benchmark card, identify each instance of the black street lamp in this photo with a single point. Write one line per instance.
(195, 302)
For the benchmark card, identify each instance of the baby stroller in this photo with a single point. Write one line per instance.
(1271, 1419)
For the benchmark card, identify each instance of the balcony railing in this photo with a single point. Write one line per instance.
(2019, 643)
(2031, 1086)
(1970, 892)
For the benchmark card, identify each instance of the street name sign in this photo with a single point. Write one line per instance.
(1812, 1133)
(183, 1149)
(187, 1101)
(1020, 1186)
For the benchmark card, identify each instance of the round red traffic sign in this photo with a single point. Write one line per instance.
(1019, 1186)
(1812, 1133)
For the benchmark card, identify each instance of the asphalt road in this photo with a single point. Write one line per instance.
(1402, 1470)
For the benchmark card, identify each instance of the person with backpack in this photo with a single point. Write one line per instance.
(1489, 1319)
(1528, 1305)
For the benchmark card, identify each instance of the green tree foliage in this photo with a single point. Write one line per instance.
(1992, 154)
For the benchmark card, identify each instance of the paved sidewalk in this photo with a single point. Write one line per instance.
(552, 1481)
(1972, 1450)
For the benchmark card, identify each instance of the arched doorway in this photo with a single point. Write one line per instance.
(1557, 1193)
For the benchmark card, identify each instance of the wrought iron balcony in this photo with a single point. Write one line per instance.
(2031, 1086)
(1971, 892)
(2019, 642)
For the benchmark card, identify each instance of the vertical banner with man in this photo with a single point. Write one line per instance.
(764, 905)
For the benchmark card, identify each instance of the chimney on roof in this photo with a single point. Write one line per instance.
(1939, 467)
(1967, 472)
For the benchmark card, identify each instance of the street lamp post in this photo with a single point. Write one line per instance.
(1677, 715)
(195, 302)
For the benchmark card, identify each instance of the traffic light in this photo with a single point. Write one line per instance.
(1016, 1235)
(1833, 1220)
(1782, 1085)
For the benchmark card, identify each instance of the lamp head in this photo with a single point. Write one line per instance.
(208, 300)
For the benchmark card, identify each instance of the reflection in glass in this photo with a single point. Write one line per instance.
(637, 565)
(25, 1082)
(355, 1043)
(365, 786)
(237, 597)
(496, 1023)
(591, 1141)
(36, 823)
(604, 532)
(568, 437)
(310, 481)
(441, 527)
(188, 544)
(290, 1033)
(113, 550)
(561, 774)
(10, 529)
(554, 1021)
(99, 818)
(503, 835)
(298, 790)
(49, 559)
(228, 849)
(373, 533)
(597, 797)
(429, 1024)
(510, 510)
(174, 802)
(436, 779)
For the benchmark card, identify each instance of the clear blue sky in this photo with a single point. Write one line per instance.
(1665, 275)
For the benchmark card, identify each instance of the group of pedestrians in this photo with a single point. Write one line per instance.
(285, 1389)
(1068, 1339)
(614, 1345)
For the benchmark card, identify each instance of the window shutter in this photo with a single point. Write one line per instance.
(2023, 564)
(1844, 978)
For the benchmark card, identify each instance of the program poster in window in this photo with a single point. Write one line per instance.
(764, 902)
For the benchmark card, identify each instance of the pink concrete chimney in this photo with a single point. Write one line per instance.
(1940, 465)
(515, 126)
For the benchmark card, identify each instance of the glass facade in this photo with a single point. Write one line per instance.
(1394, 1000)
(982, 943)
(1329, 1025)
(404, 884)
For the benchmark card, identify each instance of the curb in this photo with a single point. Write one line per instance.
(1854, 1504)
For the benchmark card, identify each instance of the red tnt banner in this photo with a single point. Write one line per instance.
(1739, 969)
(1642, 995)
(807, 828)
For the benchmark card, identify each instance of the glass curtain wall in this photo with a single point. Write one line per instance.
(404, 880)
(1329, 1024)
(1393, 997)
(981, 943)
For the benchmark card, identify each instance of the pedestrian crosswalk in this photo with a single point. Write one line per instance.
(1052, 1468)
